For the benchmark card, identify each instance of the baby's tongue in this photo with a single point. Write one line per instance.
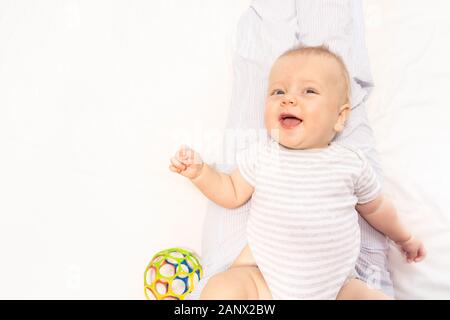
(290, 122)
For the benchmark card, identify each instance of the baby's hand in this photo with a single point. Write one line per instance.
(414, 249)
(186, 162)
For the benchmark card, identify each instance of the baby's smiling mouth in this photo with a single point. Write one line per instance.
(289, 121)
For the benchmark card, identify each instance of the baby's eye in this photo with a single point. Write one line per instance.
(311, 91)
(277, 92)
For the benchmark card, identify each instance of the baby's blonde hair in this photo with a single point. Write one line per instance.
(323, 50)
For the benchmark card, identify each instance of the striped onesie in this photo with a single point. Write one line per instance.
(303, 227)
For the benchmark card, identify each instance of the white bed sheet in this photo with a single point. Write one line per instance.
(80, 173)
(409, 48)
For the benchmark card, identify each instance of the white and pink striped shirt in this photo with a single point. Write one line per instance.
(303, 227)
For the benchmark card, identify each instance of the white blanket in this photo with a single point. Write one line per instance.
(409, 47)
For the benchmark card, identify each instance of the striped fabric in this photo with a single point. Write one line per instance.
(303, 227)
(265, 30)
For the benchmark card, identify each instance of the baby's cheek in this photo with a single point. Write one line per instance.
(269, 119)
(318, 127)
(321, 120)
(272, 128)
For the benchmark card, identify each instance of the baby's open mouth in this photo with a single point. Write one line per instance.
(289, 121)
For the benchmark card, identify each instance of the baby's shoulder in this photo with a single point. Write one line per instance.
(349, 154)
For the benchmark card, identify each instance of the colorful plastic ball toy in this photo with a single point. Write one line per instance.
(172, 274)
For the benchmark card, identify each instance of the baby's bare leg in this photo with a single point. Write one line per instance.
(245, 258)
(237, 283)
(358, 290)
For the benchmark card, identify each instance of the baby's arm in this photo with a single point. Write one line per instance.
(381, 214)
(230, 191)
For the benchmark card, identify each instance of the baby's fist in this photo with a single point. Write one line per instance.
(186, 162)
(413, 249)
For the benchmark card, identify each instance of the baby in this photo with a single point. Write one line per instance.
(302, 230)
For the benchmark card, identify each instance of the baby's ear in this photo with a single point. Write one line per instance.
(344, 112)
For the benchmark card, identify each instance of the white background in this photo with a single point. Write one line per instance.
(95, 97)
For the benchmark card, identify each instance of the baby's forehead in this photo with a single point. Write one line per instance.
(305, 66)
(300, 70)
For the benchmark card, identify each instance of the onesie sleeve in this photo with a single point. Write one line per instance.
(247, 162)
(367, 186)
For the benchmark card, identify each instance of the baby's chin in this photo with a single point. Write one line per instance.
(287, 142)
(295, 142)
(292, 145)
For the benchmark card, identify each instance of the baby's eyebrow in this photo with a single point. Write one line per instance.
(302, 83)
(276, 84)
(312, 82)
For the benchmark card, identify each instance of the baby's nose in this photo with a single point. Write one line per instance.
(288, 101)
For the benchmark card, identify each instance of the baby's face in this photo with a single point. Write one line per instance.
(307, 101)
